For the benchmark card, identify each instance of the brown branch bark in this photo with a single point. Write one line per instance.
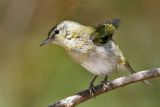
(84, 95)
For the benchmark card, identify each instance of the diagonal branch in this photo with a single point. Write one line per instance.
(84, 95)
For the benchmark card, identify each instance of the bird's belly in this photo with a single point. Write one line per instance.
(99, 66)
(95, 63)
(99, 61)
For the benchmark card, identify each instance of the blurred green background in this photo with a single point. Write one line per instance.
(31, 76)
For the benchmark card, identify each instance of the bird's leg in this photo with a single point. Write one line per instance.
(105, 82)
(91, 86)
(105, 79)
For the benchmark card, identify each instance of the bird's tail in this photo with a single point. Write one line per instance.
(132, 71)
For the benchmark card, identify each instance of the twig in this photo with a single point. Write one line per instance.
(82, 96)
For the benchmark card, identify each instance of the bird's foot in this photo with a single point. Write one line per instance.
(105, 84)
(91, 89)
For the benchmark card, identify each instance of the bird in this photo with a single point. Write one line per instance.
(93, 47)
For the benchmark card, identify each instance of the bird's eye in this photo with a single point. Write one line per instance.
(56, 31)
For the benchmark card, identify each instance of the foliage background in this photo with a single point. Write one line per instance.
(31, 76)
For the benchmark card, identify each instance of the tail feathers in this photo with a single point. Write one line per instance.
(132, 71)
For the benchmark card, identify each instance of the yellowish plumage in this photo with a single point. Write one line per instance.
(76, 39)
(91, 47)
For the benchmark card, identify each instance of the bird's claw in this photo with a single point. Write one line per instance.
(91, 90)
(105, 84)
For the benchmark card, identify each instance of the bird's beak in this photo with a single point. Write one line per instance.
(46, 41)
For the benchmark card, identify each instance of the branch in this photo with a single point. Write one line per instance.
(82, 96)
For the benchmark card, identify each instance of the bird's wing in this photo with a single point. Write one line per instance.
(104, 32)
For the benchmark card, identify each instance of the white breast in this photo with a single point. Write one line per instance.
(101, 61)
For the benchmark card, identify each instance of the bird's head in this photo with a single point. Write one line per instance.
(63, 33)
